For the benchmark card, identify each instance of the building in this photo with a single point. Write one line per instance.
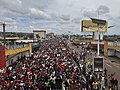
(39, 34)
(50, 35)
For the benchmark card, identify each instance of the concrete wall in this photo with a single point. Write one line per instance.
(13, 58)
(111, 52)
(118, 54)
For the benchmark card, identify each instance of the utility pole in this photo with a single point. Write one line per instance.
(98, 22)
(98, 45)
(69, 35)
(4, 35)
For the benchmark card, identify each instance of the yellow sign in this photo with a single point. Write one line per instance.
(89, 26)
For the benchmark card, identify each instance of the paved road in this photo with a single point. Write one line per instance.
(111, 66)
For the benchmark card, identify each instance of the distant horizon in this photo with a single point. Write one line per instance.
(55, 33)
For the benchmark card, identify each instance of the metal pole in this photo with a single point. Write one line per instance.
(69, 35)
(84, 37)
(4, 34)
(93, 37)
(98, 45)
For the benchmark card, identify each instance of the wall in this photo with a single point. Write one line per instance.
(111, 52)
(41, 34)
(118, 54)
(13, 58)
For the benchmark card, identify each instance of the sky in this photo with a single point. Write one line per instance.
(58, 16)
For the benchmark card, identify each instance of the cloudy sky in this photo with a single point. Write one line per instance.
(58, 16)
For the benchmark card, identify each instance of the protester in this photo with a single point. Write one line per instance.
(54, 66)
(48, 68)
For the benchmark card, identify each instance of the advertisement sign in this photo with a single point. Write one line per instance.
(2, 57)
(98, 64)
(89, 26)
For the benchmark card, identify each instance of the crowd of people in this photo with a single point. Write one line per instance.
(53, 67)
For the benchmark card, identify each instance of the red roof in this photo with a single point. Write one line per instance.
(39, 31)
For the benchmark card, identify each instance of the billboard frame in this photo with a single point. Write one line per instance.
(93, 27)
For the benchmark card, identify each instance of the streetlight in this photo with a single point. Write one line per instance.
(98, 22)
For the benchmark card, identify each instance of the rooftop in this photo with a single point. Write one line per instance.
(39, 31)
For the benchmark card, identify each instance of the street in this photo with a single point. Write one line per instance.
(112, 67)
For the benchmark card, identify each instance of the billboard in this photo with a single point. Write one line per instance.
(89, 26)
(98, 64)
(2, 57)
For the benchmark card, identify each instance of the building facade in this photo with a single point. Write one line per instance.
(39, 34)
(50, 35)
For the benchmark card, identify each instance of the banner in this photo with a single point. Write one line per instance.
(89, 26)
(2, 57)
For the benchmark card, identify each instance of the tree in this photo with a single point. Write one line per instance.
(31, 36)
